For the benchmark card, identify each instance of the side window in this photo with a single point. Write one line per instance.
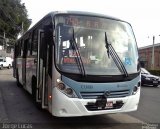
(22, 48)
(17, 49)
(25, 48)
(29, 46)
(34, 45)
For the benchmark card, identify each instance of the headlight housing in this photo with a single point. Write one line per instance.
(136, 88)
(66, 89)
(147, 78)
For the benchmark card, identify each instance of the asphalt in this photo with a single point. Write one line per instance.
(3, 114)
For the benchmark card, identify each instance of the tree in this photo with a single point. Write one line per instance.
(13, 14)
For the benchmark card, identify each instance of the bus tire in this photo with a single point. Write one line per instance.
(17, 79)
(34, 88)
(34, 93)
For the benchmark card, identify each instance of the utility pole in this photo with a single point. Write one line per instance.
(4, 40)
(152, 64)
(22, 28)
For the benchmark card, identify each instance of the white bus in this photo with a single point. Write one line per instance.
(79, 64)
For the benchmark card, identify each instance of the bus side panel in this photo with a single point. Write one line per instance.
(19, 70)
(30, 71)
(24, 72)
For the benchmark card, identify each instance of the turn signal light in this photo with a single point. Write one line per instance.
(49, 96)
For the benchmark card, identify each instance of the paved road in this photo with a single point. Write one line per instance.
(17, 106)
(149, 107)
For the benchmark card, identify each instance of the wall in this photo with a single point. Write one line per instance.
(145, 54)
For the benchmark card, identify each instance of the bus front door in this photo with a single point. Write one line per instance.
(42, 90)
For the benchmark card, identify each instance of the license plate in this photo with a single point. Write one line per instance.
(155, 81)
(109, 105)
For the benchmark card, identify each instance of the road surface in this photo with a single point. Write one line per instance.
(17, 109)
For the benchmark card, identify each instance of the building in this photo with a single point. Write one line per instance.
(145, 54)
(5, 49)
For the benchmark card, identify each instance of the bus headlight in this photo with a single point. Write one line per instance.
(136, 88)
(61, 86)
(69, 91)
(66, 90)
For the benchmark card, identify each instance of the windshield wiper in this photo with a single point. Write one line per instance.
(79, 59)
(111, 51)
(107, 45)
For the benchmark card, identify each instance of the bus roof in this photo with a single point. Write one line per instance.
(84, 13)
(54, 13)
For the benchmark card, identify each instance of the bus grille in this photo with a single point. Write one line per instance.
(94, 107)
(113, 94)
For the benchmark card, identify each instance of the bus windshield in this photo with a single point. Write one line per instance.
(89, 35)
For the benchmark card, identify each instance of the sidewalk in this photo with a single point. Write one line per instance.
(3, 115)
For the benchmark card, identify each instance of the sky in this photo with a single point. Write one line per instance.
(143, 15)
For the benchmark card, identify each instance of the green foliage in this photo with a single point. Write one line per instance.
(12, 14)
(155, 72)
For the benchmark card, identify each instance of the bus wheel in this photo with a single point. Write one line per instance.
(17, 78)
(34, 93)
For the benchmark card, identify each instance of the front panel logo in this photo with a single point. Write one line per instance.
(107, 93)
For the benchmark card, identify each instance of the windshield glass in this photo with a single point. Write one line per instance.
(89, 35)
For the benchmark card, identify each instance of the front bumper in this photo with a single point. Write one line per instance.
(151, 82)
(63, 106)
